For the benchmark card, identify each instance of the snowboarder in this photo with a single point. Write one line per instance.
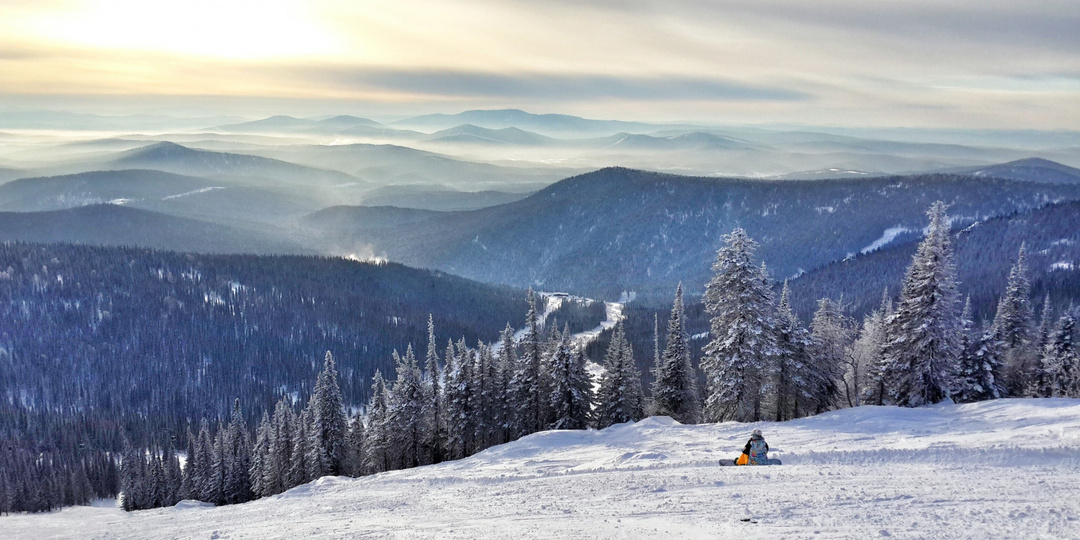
(756, 450)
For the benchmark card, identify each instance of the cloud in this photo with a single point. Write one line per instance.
(549, 86)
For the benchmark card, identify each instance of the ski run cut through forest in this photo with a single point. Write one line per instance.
(994, 469)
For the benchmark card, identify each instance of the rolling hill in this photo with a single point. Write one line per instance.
(116, 225)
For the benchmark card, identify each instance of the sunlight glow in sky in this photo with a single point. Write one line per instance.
(990, 63)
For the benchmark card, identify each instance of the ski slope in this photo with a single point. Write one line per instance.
(1000, 469)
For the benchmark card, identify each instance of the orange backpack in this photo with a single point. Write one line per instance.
(744, 459)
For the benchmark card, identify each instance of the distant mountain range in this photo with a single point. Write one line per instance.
(554, 125)
(116, 225)
(1029, 169)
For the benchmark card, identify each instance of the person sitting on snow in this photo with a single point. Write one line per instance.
(757, 450)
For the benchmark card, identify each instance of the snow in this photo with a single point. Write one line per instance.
(889, 235)
(1062, 265)
(985, 470)
(194, 192)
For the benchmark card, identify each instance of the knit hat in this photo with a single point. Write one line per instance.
(757, 434)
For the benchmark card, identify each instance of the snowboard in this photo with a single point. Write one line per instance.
(731, 463)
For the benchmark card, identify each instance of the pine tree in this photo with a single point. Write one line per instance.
(571, 397)
(377, 434)
(260, 458)
(831, 334)
(461, 402)
(741, 358)
(187, 484)
(526, 380)
(1060, 362)
(237, 448)
(619, 398)
(491, 397)
(434, 415)
(356, 447)
(873, 351)
(298, 454)
(674, 390)
(327, 430)
(793, 364)
(173, 477)
(276, 478)
(507, 415)
(980, 369)
(1013, 327)
(923, 351)
(405, 410)
(204, 465)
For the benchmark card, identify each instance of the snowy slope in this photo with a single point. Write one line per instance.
(1001, 469)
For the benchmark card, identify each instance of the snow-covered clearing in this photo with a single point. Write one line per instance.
(1000, 469)
(889, 235)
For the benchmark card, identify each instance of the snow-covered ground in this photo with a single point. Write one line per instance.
(1000, 469)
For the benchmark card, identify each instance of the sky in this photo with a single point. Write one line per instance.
(914, 63)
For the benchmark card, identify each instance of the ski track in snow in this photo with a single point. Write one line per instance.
(613, 313)
(999, 469)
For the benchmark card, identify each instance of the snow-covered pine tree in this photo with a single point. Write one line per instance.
(173, 476)
(203, 482)
(832, 334)
(461, 402)
(571, 397)
(298, 455)
(526, 379)
(1014, 328)
(1060, 362)
(377, 435)
(793, 363)
(923, 350)
(405, 411)
(741, 358)
(674, 389)
(276, 478)
(491, 398)
(130, 478)
(327, 430)
(187, 483)
(260, 457)
(869, 355)
(1046, 325)
(355, 443)
(219, 464)
(434, 415)
(237, 487)
(507, 363)
(619, 398)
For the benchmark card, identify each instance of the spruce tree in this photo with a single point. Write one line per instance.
(508, 362)
(571, 397)
(405, 409)
(327, 430)
(1012, 324)
(1060, 362)
(793, 364)
(260, 458)
(356, 444)
(831, 334)
(873, 351)
(526, 380)
(674, 390)
(741, 359)
(980, 368)
(377, 434)
(434, 414)
(923, 350)
(619, 398)
(237, 448)
(276, 478)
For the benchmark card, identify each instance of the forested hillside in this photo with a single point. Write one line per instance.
(619, 229)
